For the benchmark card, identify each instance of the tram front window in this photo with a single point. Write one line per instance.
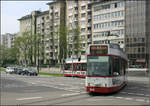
(99, 66)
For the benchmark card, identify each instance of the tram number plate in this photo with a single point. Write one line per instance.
(91, 89)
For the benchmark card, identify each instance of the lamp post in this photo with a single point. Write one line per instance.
(38, 67)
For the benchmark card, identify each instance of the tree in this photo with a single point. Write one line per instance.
(8, 55)
(76, 42)
(62, 32)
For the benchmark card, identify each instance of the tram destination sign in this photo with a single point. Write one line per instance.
(98, 49)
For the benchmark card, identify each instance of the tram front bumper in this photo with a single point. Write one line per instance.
(102, 89)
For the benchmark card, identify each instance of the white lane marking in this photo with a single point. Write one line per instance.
(128, 98)
(29, 98)
(123, 92)
(33, 83)
(62, 84)
(139, 94)
(141, 100)
(131, 93)
(70, 94)
(119, 97)
(98, 99)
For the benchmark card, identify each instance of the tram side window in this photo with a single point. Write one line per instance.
(67, 66)
(84, 67)
(122, 64)
(116, 66)
(79, 67)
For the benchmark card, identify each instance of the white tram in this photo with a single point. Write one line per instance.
(78, 70)
(106, 68)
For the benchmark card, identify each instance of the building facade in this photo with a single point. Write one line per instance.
(56, 17)
(108, 22)
(137, 27)
(100, 21)
(8, 39)
(78, 14)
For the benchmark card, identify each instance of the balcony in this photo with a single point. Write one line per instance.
(89, 31)
(89, 40)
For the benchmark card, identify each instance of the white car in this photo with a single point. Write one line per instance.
(9, 70)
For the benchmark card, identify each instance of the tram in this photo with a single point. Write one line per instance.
(75, 68)
(106, 68)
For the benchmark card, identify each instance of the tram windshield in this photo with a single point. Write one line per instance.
(99, 65)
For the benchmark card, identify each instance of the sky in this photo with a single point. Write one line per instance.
(13, 10)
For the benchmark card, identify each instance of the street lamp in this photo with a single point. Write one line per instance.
(38, 67)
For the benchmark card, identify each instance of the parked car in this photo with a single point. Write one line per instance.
(32, 72)
(9, 70)
(19, 71)
(25, 71)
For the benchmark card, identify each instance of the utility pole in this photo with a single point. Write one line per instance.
(63, 58)
(72, 54)
(38, 67)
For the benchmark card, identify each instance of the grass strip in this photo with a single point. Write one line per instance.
(51, 74)
(2, 69)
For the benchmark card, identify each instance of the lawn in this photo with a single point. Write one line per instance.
(51, 74)
(2, 69)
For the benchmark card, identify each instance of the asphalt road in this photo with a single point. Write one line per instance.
(48, 90)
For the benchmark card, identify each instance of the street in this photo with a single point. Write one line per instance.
(49, 90)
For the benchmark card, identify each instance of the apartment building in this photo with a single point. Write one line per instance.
(56, 16)
(35, 23)
(100, 21)
(78, 15)
(137, 31)
(108, 22)
(8, 39)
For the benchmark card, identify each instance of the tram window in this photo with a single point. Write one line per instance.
(116, 66)
(79, 66)
(67, 66)
(121, 66)
(84, 67)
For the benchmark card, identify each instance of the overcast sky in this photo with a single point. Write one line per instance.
(13, 10)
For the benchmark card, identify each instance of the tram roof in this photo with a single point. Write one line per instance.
(113, 49)
(75, 60)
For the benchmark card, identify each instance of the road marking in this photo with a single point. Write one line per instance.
(139, 94)
(147, 95)
(123, 92)
(128, 98)
(33, 83)
(119, 97)
(62, 84)
(131, 93)
(70, 94)
(29, 98)
(141, 100)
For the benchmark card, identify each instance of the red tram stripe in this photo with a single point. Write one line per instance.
(105, 89)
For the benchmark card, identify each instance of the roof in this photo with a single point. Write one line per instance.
(51, 3)
(39, 13)
(25, 17)
(96, 2)
(43, 13)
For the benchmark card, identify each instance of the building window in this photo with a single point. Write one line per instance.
(83, 15)
(139, 50)
(82, 22)
(83, 7)
(82, 29)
